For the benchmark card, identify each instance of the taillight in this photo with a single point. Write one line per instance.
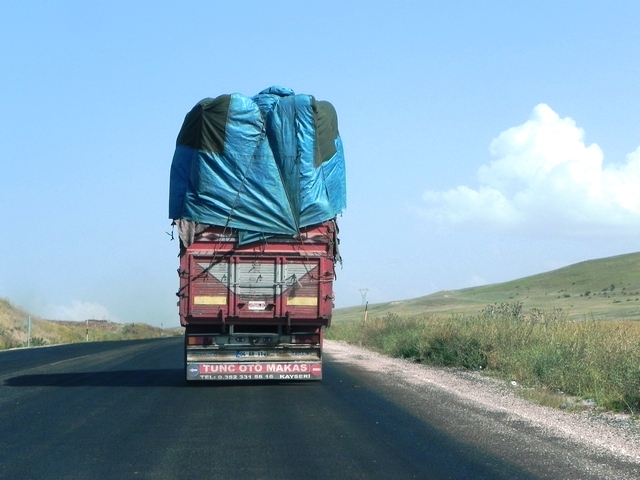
(199, 340)
(307, 338)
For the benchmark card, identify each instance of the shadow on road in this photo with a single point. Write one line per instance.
(118, 378)
(134, 378)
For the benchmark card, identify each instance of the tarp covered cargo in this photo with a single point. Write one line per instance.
(264, 165)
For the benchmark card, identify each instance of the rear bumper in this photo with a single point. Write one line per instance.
(253, 371)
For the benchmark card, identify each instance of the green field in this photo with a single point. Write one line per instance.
(603, 289)
(570, 336)
(13, 329)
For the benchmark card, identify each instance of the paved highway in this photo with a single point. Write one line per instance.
(121, 410)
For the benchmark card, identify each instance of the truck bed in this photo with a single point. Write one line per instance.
(257, 311)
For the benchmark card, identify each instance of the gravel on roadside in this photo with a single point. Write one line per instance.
(603, 432)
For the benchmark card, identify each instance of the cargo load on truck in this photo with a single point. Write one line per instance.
(264, 165)
(256, 185)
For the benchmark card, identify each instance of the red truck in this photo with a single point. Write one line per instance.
(256, 186)
(257, 312)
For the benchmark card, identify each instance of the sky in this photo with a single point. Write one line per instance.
(484, 141)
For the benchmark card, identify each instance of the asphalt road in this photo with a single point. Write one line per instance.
(122, 410)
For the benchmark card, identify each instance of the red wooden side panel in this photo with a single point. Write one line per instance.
(282, 281)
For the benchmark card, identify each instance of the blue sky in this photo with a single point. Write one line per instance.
(484, 141)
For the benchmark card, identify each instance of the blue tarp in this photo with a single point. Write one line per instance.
(265, 165)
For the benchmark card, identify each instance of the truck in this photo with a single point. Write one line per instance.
(256, 186)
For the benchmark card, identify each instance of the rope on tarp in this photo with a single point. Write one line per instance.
(263, 133)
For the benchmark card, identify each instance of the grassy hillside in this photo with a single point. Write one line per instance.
(13, 329)
(602, 289)
(560, 362)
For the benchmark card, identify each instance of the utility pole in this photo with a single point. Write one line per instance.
(363, 292)
(29, 331)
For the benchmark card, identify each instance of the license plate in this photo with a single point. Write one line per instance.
(252, 354)
(257, 305)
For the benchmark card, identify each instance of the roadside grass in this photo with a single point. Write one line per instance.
(13, 330)
(553, 399)
(601, 289)
(542, 349)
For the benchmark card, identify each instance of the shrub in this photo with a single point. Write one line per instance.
(541, 348)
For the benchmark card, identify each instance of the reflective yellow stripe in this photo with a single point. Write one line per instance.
(207, 300)
(303, 301)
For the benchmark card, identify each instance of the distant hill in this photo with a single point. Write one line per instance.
(603, 289)
(13, 329)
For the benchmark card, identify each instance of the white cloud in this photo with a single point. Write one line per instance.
(77, 311)
(544, 178)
